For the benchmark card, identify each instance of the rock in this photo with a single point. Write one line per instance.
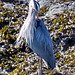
(60, 8)
(7, 0)
(44, 3)
(4, 72)
(9, 6)
(72, 7)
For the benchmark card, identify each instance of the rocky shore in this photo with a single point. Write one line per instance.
(59, 19)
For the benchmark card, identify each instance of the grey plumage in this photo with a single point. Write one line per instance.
(37, 36)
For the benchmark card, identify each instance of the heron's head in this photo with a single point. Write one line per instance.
(34, 5)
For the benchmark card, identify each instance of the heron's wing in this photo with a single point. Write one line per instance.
(44, 37)
(43, 45)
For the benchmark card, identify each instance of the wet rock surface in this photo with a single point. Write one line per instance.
(21, 60)
(60, 8)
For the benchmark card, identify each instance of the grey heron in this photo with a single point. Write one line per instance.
(37, 35)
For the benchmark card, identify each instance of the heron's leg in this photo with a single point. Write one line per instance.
(40, 68)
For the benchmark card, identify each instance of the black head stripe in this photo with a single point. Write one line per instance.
(37, 6)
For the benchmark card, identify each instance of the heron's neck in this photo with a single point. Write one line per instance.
(31, 13)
